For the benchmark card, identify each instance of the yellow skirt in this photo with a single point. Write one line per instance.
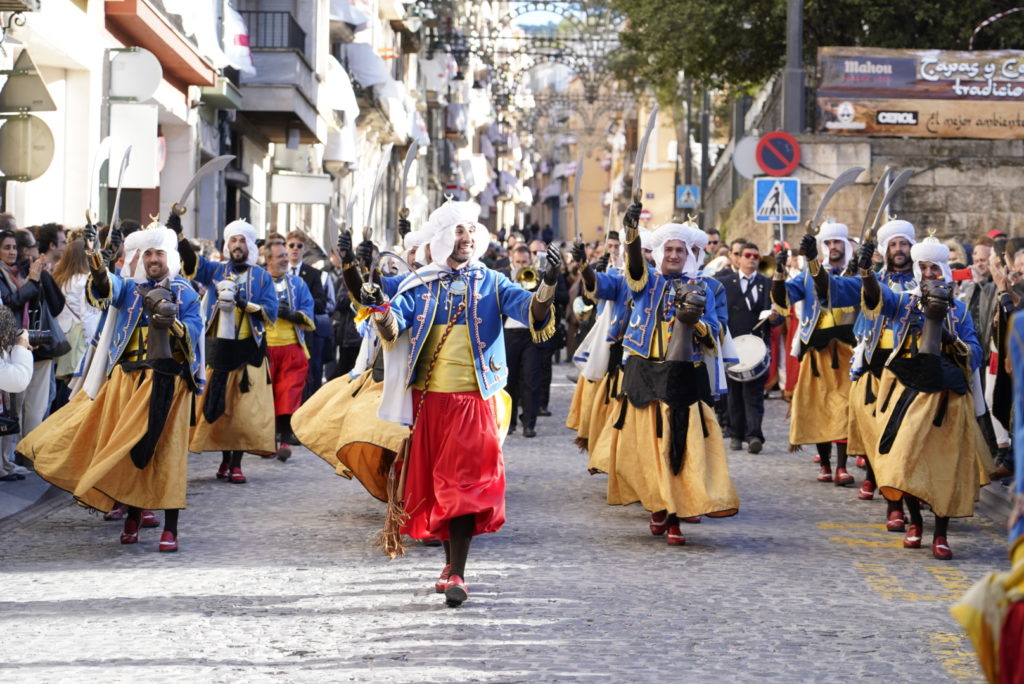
(602, 437)
(339, 424)
(862, 429)
(821, 403)
(85, 447)
(579, 409)
(942, 465)
(639, 467)
(248, 420)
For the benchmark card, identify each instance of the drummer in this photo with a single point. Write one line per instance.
(750, 313)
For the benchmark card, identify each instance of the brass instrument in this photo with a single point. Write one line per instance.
(528, 278)
(766, 266)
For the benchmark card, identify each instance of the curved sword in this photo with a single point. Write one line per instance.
(102, 155)
(115, 216)
(900, 182)
(845, 178)
(410, 157)
(576, 199)
(212, 166)
(638, 165)
(874, 196)
(385, 160)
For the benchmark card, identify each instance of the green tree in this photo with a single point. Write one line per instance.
(737, 44)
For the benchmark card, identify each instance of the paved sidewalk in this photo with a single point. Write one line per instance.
(277, 580)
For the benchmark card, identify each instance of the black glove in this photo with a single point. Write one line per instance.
(579, 253)
(345, 246)
(602, 263)
(554, 265)
(116, 239)
(241, 299)
(364, 252)
(89, 236)
(404, 227)
(631, 219)
(865, 254)
(371, 295)
(284, 311)
(174, 222)
(781, 259)
(809, 247)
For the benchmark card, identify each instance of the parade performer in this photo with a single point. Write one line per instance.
(930, 449)
(129, 443)
(286, 343)
(669, 454)
(820, 405)
(444, 367)
(874, 346)
(339, 423)
(236, 412)
(599, 358)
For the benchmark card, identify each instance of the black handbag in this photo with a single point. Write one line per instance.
(9, 424)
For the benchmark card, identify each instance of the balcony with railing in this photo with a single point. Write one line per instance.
(282, 94)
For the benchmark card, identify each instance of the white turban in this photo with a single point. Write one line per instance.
(136, 244)
(830, 230)
(645, 238)
(934, 252)
(685, 233)
(892, 229)
(247, 230)
(441, 225)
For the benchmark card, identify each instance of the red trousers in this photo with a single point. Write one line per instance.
(455, 466)
(288, 368)
(1011, 646)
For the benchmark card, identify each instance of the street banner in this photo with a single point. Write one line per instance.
(921, 93)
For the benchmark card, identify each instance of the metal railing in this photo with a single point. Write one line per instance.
(277, 30)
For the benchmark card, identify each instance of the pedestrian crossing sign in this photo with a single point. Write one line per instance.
(776, 200)
(687, 196)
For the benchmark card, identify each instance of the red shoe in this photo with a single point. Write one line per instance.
(236, 476)
(675, 536)
(130, 534)
(940, 549)
(897, 522)
(825, 474)
(168, 542)
(692, 520)
(843, 478)
(222, 472)
(913, 538)
(116, 513)
(862, 462)
(816, 458)
(149, 519)
(456, 592)
(442, 582)
(867, 491)
(659, 521)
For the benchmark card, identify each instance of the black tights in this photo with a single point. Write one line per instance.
(170, 518)
(232, 459)
(460, 536)
(914, 509)
(825, 451)
(284, 427)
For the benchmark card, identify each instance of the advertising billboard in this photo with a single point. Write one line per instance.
(921, 93)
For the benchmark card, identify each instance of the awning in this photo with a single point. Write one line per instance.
(342, 10)
(365, 65)
(340, 96)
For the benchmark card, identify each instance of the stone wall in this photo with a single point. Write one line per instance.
(962, 188)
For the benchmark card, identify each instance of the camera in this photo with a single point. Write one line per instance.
(37, 338)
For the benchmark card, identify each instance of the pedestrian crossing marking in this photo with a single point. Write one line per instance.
(776, 200)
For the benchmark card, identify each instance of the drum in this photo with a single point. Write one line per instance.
(754, 356)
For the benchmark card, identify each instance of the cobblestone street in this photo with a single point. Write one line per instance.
(277, 580)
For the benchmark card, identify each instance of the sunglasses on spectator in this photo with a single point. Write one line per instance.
(751, 255)
(712, 242)
(295, 245)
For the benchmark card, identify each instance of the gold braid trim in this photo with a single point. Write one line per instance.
(814, 266)
(702, 333)
(636, 285)
(591, 294)
(545, 333)
(873, 312)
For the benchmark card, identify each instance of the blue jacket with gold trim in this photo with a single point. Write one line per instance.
(296, 293)
(127, 297)
(801, 288)
(846, 291)
(490, 295)
(258, 288)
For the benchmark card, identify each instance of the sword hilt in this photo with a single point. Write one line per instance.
(179, 209)
(403, 213)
